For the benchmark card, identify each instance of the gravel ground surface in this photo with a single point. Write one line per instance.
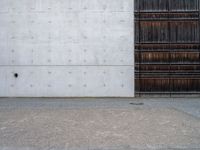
(99, 124)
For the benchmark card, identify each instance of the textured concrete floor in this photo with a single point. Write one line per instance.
(99, 124)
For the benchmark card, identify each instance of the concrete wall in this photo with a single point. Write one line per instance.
(66, 48)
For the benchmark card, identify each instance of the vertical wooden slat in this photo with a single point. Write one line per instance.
(168, 46)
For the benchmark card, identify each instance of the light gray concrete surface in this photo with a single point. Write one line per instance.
(99, 124)
(67, 48)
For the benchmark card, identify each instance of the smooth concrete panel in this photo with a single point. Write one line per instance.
(59, 81)
(62, 35)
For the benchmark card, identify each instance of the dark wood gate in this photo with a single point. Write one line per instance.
(167, 47)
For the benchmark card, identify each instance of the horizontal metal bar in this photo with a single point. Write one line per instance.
(168, 63)
(168, 50)
(169, 77)
(166, 11)
(164, 78)
(169, 92)
(168, 73)
(169, 43)
(168, 20)
(167, 46)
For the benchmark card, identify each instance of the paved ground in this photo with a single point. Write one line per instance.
(99, 124)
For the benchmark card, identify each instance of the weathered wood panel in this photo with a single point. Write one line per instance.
(167, 43)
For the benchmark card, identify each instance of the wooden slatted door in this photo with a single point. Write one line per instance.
(167, 47)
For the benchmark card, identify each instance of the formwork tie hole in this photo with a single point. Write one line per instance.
(16, 75)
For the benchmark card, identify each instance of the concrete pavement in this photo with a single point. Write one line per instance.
(99, 124)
